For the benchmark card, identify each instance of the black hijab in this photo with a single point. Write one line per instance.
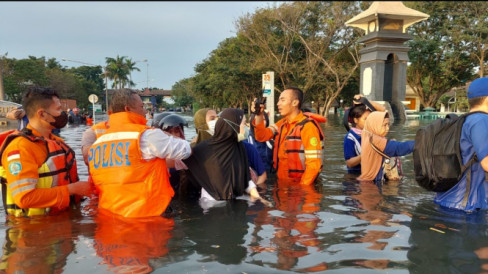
(220, 164)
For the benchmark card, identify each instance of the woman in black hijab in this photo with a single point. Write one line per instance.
(219, 165)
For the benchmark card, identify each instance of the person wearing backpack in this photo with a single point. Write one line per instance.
(376, 149)
(472, 196)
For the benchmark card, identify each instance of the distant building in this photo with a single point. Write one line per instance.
(67, 104)
(149, 97)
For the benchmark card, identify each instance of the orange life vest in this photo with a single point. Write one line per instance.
(89, 121)
(294, 148)
(59, 168)
(129, 185)
(100, 128)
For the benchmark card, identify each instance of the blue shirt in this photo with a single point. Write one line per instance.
(473, 139)
(352, 148)
(395, 149)
(253, 158)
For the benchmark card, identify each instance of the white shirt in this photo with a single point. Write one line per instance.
(154, 143)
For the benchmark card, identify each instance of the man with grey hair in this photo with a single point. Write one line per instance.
(128, 162)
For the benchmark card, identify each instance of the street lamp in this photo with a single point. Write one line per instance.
(105, 73)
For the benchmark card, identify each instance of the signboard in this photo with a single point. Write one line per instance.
(267, 85)
(97, 107)
(93, 98)
(268, 91)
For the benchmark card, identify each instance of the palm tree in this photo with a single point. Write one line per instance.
(131, 66)
(117, 71)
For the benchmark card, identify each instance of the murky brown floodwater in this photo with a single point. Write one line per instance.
(340, 225)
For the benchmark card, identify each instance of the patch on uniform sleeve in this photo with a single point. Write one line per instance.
(12, 155)
(15, 167)
(313, 141)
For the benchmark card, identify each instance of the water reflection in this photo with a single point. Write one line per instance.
(338, 225)
(455, 242)
(41, 245)
(131, 245)
(290, 228)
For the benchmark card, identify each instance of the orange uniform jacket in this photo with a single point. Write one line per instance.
(100, 128)
(129, 185)
(311, 141)
(23, 159)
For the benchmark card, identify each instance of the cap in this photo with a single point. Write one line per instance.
(478, 88)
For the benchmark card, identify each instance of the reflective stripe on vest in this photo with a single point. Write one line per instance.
(55, 171)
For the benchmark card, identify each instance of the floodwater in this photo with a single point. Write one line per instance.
(339, 225)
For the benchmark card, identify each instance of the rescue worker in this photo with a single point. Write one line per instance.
(298, 146)
(40, 168)
(128, 162)
(90, 136)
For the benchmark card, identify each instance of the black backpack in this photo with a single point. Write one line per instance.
(437, 160)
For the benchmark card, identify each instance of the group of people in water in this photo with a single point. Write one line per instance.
(136, 169)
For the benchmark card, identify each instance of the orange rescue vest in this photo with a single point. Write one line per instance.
(59, 168)
(129, 185)
(100, 128)
(294, 148)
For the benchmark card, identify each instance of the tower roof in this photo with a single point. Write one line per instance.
(387, 10)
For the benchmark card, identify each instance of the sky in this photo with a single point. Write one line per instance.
(172, 36)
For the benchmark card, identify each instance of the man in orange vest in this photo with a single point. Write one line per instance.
(40, 169)
(297, 151)
(128, 162)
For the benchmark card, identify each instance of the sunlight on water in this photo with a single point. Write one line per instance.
(339, 225)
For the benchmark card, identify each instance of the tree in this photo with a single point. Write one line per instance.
(20, 74)
(182, 92)
(131, 66)
(473, 17)
(308, 45)
(228, 77)
(438, 61)
(117, 71)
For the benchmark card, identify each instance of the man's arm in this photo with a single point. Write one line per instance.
(156, 143)
(89, 137)
(313, 153)
(15, 114)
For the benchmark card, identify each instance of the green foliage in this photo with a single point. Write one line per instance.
(119, 70)
(182, 92)
(439, 54)
(228, 78)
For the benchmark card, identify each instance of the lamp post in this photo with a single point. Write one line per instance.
(105, 73)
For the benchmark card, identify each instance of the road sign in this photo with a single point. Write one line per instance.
(93, 98)
(268, 91)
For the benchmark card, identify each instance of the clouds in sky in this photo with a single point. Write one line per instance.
(172, 36)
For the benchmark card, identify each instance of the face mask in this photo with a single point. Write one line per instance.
(243, 136)
(59, 121)
(211, 127)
